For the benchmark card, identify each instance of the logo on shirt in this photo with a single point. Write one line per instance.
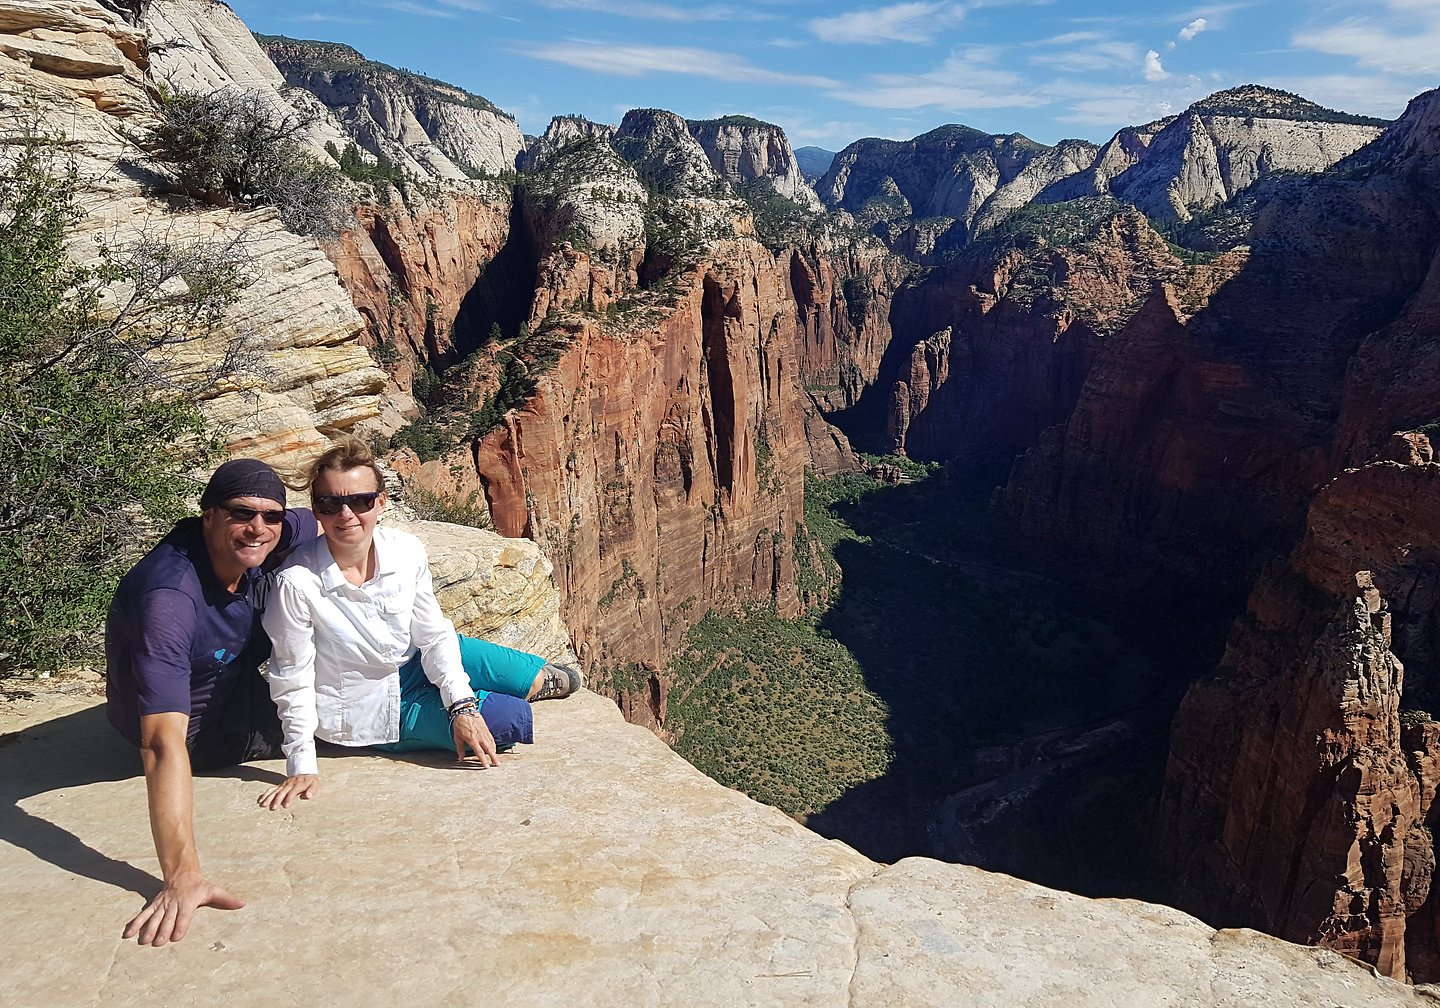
(224, 657)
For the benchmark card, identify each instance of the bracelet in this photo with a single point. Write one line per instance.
(466, 707)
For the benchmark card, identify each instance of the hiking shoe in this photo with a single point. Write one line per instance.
(560, 681)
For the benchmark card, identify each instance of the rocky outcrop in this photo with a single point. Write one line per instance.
(202, 46)
(1186, 164)
(659, 145)
(427, 127)
(951, 183)
(306, 372)
(743, 150)
(494, 588)
(563, 131)
(1298, 797)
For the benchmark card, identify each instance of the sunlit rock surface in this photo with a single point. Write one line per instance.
(595, 867)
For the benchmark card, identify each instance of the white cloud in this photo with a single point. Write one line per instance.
(1192, 29)
(1153, 70)
(406, 7)
(1403, 40)
(657, 11)
(903, 22)
(1100, 55)
(638, 60)
(964, 81)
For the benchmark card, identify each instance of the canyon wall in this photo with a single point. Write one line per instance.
(742, 150)
(1211, 436)
(1298, 796)
(1202, 432)
(1175, 168)
(426, 127)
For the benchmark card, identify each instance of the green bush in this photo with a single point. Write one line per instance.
(459, 510)
(99, 432)
(235, 148)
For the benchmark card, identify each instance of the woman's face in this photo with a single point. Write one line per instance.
(349, 527)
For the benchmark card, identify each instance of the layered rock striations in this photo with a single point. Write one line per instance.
(307, 373)
(429, 128)
(743, 150)
(1175, 168)
(202, 46)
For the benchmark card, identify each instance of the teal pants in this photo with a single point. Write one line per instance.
(501, 678)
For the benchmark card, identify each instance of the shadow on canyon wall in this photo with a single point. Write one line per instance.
(1029, 701)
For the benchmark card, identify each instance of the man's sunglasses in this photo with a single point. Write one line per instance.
(244, 515)
(330, 504)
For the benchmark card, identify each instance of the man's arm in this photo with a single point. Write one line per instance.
(170, 789)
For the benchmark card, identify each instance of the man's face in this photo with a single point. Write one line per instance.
(234, 543)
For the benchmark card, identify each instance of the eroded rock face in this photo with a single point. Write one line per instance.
(408, 265)
(310, 372)
(202, 46)
(431, 129)
(659, 145)
(563, 131)
(742, 150)
(661, 467)
(1177, 167)
(964, 176)
(1295, 800)
(1182, 434)
(992, 349)
(494, 588)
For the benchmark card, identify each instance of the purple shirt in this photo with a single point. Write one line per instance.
(176, 639)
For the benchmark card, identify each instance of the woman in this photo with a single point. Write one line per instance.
(363, 656)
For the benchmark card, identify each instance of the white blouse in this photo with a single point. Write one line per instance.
(338, 649)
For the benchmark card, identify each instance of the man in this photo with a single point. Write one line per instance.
(183, 647)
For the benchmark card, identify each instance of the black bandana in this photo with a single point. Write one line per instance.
(242, 478)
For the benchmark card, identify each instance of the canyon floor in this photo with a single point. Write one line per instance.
(596, 867)
(960, 696)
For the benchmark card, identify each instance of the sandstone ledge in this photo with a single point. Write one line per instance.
(597, 867)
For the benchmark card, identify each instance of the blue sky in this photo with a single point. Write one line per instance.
(832, 71)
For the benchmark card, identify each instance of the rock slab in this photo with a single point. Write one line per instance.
(596, 867)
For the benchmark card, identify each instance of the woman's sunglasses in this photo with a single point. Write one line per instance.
(330, 504)
(244, 515)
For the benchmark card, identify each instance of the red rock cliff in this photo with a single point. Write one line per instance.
(1295, 801)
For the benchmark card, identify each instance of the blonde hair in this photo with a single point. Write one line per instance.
(348, 452)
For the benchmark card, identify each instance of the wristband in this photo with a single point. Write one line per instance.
(466, 707)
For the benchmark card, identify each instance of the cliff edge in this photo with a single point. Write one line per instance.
(595, 867)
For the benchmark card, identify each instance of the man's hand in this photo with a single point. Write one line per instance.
(167, 917)
(305, 785)
(471, 730)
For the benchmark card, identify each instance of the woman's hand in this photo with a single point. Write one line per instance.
(471, 730)
(305, 785)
